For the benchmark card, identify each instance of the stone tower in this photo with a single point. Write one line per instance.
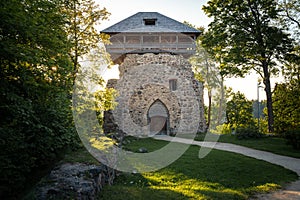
(158, 93)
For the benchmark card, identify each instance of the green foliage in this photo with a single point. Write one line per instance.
(247, 133)
(82, 16)
(287, 106)
(40, 43)
(105, 100)
(290, 17)
(239, 111)
(225, 129)
(206, 71)
(35, 115)
(293, 138)
(286, 95)
(243, 38)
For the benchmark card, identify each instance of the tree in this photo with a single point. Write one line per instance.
(242, 36)
(35, 115)
(207, 72)
(83, 16)
(239, 111)
(291, 14)
(286, 106)
(286, 98)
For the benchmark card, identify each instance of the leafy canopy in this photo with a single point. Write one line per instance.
(243, 35)
(82, 18)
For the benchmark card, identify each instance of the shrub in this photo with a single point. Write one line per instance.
(247, 133)
(34, 131)
(293, 138)
(226, 128)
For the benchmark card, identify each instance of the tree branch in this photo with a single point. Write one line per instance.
(288, 14)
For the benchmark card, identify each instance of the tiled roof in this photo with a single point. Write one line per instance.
(136, 23)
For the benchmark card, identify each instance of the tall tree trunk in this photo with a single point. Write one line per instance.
(269, 96)
(221, 103)
(209, 110)
(74, 56)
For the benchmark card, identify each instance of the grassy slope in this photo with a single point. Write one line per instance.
(220, 175)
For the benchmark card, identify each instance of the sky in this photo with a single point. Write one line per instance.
(180, 10)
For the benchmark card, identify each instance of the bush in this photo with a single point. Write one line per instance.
(293, 138)
(247, 133)
(226, 129)
(34, 131)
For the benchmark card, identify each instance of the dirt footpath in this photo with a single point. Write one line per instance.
(290, 192)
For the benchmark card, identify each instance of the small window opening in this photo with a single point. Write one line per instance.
(150, 22)
(173, 84)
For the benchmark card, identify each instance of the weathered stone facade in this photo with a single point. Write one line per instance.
(157, 94)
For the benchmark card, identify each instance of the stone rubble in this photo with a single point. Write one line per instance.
(74, 181)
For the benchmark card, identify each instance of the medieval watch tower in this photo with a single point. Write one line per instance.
(158, 93)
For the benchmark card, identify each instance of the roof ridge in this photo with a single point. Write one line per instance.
(164, 23)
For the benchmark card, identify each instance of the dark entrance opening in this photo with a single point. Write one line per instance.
(158, 118)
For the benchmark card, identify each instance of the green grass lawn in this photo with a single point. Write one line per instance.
(220, 175)
(270, 143)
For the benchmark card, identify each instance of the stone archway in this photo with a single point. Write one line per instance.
(158, 116)
(144, 97)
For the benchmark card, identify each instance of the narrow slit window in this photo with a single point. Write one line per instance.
(173, 84)
(150, 22)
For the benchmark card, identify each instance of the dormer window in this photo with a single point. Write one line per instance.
(150, 22)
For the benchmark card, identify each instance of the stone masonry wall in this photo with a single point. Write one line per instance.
(144, 79)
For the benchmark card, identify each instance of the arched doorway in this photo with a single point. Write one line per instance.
(158, 116)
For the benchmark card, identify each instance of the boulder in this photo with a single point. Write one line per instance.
(74, 181)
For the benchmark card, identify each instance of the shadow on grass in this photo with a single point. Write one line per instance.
(220, 175)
